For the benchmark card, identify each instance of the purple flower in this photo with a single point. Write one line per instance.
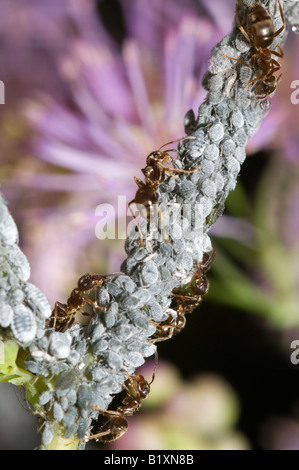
(33, 35)
(113, 105)
(122, 102)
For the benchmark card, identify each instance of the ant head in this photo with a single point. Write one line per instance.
(88, 281)
(265, 87)
(154, 157)
(159, 155)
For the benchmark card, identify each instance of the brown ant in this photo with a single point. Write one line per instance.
(154, 175)
(259, 32)
(63, 315)
(186, 302)
(115, 425)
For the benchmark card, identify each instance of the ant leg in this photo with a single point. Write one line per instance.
(95, 436)
(164, 231)
(279, 54)
(91, 302)
(279, 77)
(180, 296)
(262, 75)
(137, 224)
(103, 433)
(169, 171)
(162, 338)
(67, 325)
(112, 276)
(55, 311)
(242, 30)
(87, 314)
(253, 59)
(155, 366)
(108, 412)
(283, 21)
(156, 324)
(238, 60)
(277, 65)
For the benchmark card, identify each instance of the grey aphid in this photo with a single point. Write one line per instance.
(60, 345)
(23, 324)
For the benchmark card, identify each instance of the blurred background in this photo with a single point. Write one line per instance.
(91, 87)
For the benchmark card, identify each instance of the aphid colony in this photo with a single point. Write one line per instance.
(258, 30)
(113, 423)
(154, 175)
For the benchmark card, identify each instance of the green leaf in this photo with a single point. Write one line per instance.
(9, 371)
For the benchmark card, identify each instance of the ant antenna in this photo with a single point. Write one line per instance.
(178, 140)
(155, 366)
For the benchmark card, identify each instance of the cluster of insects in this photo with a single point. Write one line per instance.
(154, 175)
(186, 301)
(258, 29)
(63, 315)
(113, 423)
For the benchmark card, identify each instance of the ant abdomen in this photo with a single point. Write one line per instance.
(262, 30)
(112, 428)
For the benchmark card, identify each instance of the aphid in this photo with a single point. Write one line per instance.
(23, 324)
(63, 315)
(154, 175)
(115, 423)
(258, 30)
(186, 302)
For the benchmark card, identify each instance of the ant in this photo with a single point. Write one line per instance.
(115, 424)
(259, 32)
(63, 315)
(186, 302)
(154, 175)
